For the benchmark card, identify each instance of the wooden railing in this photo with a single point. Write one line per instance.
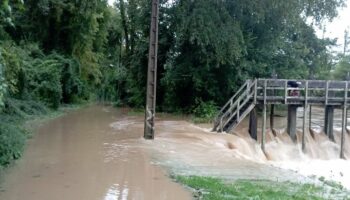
(233, 107)
(277, 91)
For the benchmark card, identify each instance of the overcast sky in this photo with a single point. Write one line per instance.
(334, 29)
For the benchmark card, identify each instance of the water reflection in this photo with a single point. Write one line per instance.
(91, 154)
(114, 193)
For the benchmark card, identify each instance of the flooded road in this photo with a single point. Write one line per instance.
(98, 153)
(88, 154)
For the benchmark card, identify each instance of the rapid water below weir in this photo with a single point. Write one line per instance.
(98, 153)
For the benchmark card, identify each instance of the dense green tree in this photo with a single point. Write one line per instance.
(219, 44)
(342, 69)
(207, 49)
(204, 62)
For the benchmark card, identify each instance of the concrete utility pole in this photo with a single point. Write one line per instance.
(152, 73)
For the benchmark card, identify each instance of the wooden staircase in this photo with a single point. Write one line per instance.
(237, 108)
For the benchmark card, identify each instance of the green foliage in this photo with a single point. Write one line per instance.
(3, 85)
(12, 64)
(207, 49)
(213, 188)
(204, 111)
(52, 78)
(110, 88)
(45, 81)
(12, 134)
(12, 142)
(55, 79)
(73, 28)
(61, 51)
(342, 69)
(19, 110)
(203, 63)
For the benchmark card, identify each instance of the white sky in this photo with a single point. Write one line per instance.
(334, 29)
(110, 2)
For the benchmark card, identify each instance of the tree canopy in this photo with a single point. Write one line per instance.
(62, 51)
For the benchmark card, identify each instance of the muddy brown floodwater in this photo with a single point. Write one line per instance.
(98, 153)
(84, 155)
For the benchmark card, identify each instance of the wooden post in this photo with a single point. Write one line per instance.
(292, 122)
(304, 127)
(253, 124)
(152, 73)
(255, 90)
(342, 141)
(263, 136)
(310, 118)
(285, 91)
(272, 113)
(305, 116)
(328, 122)
(327, 87)
(265, 94)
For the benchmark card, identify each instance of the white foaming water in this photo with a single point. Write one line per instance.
(188, 149)
(209, 150)
(335, 170)
(122, 124)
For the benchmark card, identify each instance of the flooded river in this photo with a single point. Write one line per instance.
(98, 153)
(82, 156)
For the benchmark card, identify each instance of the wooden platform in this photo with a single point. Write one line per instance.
(293, 93)
(314, 92)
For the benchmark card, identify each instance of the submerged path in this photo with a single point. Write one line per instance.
(97, 153)
(83, 155)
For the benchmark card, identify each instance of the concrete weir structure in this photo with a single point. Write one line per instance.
(292, 93)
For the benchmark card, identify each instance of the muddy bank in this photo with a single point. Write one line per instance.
(82, 156)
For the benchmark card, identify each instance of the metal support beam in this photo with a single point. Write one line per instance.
(152, 73)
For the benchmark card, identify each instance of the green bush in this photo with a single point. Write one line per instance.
(31, 75)
(204, 111)
(2, 85)
(110, 88)
(12, 140)
(12, 134)
(45, 81)
(22, 109)
(342, 68)
(72, 86)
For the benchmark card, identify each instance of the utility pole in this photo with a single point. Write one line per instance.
(346, 42)
(152, 73)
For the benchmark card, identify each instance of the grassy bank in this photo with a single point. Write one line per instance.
(16, 122)
(207, 188)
